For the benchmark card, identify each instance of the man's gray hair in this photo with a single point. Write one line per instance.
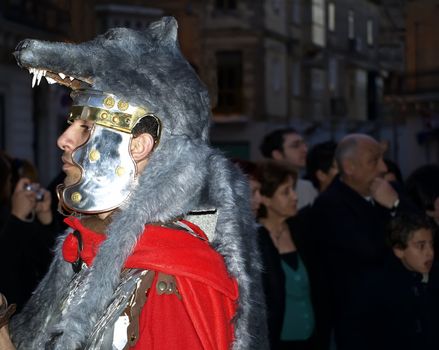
(346, 148)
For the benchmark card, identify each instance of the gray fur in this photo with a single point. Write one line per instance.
(183, 174)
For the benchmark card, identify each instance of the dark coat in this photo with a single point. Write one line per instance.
(392, 309)
(349, 234)
(273, 282)
(273, 277)
(301, 225)
(25, 255)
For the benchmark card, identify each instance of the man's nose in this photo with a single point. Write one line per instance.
(294, 195)
(382, 167)
(430, 251)
(64, 141)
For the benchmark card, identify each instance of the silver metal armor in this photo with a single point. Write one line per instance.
(108, 172)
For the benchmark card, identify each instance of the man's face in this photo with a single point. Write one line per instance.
(365, 165)
(73, 137)
(294, 150)
(419, 254)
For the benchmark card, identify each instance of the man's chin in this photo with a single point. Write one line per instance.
(69, 181)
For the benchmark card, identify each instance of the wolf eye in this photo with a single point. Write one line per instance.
(110, 35)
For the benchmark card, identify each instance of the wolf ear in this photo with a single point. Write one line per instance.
(166, 29)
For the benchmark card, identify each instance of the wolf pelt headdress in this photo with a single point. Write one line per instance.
(183, 174)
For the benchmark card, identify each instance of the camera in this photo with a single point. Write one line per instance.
(39, 192)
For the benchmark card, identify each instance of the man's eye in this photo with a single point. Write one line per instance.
(297, 144)
(86, 127)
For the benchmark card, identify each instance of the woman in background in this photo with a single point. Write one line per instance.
(27, 232)
(290, 315)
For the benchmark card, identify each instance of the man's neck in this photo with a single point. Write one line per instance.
(359, 189)
(97, 223)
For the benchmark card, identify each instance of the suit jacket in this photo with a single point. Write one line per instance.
(349, 232)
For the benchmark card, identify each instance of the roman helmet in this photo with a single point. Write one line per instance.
(108, 172)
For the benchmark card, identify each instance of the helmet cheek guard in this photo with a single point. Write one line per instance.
(108, 172)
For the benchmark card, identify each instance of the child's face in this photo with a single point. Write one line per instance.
(419, 254)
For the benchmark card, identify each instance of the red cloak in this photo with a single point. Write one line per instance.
(203, 317)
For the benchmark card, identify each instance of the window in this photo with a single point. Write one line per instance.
(2, 123)
(276, 6)
(226, 4)
(317, 92)
(296, 79)
(370, 40)
(317, 83)
(331, 16)
(318, 22)
(351, 25)
(333, 75)
(296, 15)
(229, 77)
(276, 76)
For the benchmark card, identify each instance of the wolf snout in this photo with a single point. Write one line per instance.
(22, 45)
(18, 53)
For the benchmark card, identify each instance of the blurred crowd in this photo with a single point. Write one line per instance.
(346, 244)
(28, 229)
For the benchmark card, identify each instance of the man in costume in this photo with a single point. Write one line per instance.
(160, 253)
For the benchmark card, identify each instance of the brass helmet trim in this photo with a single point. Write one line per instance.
(107, 110)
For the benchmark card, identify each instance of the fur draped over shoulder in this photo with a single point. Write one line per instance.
(183, 174)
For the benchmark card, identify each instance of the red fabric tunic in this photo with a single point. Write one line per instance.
(202, 318)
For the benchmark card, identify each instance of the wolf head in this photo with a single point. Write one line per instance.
(144, 67)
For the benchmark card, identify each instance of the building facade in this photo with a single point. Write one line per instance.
(413, 97)
(29, 126)
(325, 67)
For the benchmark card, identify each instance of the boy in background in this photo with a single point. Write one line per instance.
(397, 305)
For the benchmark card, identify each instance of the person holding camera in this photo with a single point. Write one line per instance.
(30, 201)
(26, 233)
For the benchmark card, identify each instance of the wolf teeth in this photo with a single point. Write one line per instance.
(37, 74)
(50, 80)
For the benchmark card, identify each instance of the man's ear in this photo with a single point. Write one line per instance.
(141, 146)
(321, 176)
(277, 155)
(348, 166)
(398, 252)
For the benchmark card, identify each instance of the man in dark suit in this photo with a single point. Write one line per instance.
(350, 219)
